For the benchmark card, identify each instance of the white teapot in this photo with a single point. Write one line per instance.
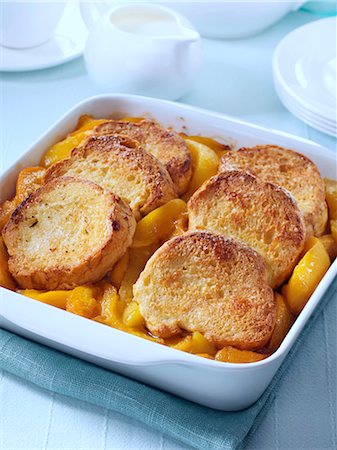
(142, 49)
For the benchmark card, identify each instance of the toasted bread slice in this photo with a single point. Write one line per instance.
(262, 215)
(290, 170)
(167, 146)
(206, 282)
(119, 165)
(67, 233)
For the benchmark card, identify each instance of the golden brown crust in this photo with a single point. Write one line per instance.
(262, 215)
(290, 170)
(206, 282)
(118, 164)
(167, 146)
(67, 233)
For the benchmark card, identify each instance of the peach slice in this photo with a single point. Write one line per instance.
(306, 275)
(284, 320)
(233, 355)
(159, 224)
(219, 148)
(205, 164)
(132, 316)
(52, 298)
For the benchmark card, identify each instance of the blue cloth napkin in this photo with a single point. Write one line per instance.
(195, 425)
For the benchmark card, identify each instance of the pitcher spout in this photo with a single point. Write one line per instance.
(187, 35)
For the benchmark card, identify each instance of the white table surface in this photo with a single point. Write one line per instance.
(236, 79)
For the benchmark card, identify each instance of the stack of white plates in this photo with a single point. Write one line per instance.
(304, 67)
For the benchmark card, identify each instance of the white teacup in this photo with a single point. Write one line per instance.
(25, 24)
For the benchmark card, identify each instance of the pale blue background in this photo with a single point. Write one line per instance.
(236, 79)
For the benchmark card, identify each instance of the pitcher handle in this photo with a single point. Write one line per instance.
(91, 11)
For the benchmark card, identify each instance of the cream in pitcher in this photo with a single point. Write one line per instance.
(141, 49)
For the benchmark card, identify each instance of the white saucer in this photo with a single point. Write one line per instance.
(304, 67)
(67, 43)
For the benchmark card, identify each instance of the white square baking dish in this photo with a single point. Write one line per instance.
(223, 386)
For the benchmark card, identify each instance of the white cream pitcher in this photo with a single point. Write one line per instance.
(141, 49)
